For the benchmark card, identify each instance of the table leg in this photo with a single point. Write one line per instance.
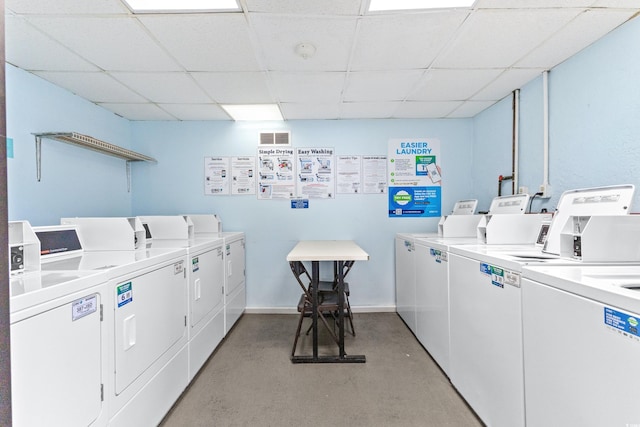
(340, 277)
(315, 279)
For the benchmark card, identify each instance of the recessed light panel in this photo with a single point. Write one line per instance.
(257, 112)
(182, 6)
(385, 5)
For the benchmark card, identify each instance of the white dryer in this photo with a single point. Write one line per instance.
(208, 226)
(146, 293)
(205, 274)
(581, 345)
(58, 348)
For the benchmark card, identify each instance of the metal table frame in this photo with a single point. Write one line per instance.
(337, 251)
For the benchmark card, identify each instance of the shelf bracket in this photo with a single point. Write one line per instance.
(90, 143)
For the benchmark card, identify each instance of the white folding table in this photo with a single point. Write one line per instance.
(337, 251)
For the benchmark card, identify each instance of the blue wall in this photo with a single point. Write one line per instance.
(176, 185)
(75, 182)
(594, 128)
(594, 124)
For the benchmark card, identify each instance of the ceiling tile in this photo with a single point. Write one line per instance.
(66, 7)
(420, 110)
(111, 43)
(403, 41)
(29, 49)
(206, 42)
(368, 110)
(195, 111)
(380, 85)
(138, 111)
(278, 37)
(164, 87)
(235, 88)
(499, 38)
(308, 87)
(578, 34)
(470, 109)
(452, 85)
(532, 4)
(313, 111)
(96, 87)
(506, 83)
(307, 7)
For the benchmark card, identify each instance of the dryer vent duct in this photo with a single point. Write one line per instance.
(275, 138)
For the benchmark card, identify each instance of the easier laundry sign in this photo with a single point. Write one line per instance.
(414, 178)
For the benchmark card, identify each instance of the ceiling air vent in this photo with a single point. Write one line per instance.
(275, 138)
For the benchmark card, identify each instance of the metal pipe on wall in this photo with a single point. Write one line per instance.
(516, 140)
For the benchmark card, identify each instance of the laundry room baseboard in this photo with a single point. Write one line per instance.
(292, 310)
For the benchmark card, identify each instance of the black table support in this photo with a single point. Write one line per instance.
(342, 357)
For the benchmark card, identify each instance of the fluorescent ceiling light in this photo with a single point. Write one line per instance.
(253, 112)
(380, 5)
(173, 6)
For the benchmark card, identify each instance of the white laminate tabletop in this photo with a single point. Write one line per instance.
(327, 250)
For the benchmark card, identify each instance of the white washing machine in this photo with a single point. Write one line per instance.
(405, 276)
(146, 293)
(486, 309)
(581, 345)
(432, 295)
(205, 274)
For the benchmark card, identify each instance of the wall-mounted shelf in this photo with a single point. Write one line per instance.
(90, 143)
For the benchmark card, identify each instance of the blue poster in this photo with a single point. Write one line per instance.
(414, 178)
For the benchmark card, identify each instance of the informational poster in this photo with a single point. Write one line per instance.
(349, 175)
(316, 173)
(415, 178)
(243, 176)
(276, 173)
(374, 173)
(216, 175)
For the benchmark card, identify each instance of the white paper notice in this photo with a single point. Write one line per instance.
(316, 173)
(374, 170)
(276, 172)
(216, 175)
(349, 177)
(243, 176)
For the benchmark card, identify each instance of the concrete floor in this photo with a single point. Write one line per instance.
(250, 381)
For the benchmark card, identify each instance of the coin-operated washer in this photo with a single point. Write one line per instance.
(146, 293)
(432, 268)
(486, 304)
(205, 275)
(460, 223)
(235, 293)
(581, 344)
(58, 339)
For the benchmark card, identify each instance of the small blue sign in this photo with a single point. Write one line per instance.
(485, 269)
(622, 321)
(300, 204)
(9, 148)
(124, 294)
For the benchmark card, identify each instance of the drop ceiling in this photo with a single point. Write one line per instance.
(432, 64)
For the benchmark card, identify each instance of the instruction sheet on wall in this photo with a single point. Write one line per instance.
(216, 175)
(243, 177)
(276, 173)
(415, 178)
(316, 173)
(374, 170)
(349, 174)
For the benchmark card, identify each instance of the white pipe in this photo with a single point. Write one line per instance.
(545, 141)
(516, 137)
